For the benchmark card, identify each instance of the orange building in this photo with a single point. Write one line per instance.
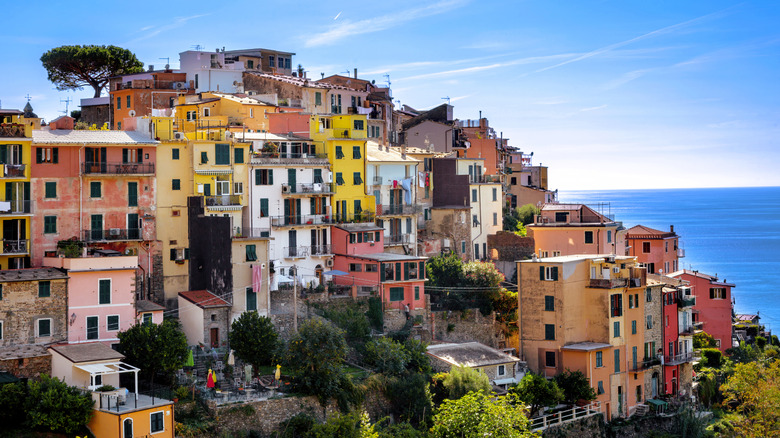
(568, 229)
(659, 250)
(137, 94)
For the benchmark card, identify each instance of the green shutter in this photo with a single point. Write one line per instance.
(541, 273)
(406, 271)
(94, 189)
(382, 272)
(51, 189)
(555, 273)
(3, 153)
(104, 292)
(238, 155)
(417, 292)
(186, 253)
(132, 194)
(270, 177)
(38, 155)
(173, 253)
(264, 207)
(204, 157)
(55, 155)
(398, 271)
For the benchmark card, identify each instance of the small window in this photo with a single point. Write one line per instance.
(147, 318)
(616, 329)
(112, 323)
(95, 189)
(176, 184)
(251, 254)
(339, 179)
(104, 291)
(549, 359)
(609, 236)
(473, 195)
(339, 153)
(238, 188)
(648, 295)
(633, 327)
(501, 371)
(204, 157)
(599, 359)
(355, 267)
(549, 332)
(357, 179)
(396, 294)
(356, 152)
(175, 153)
(264, 177)
(50, 225)
(128, 102)
(372, 267)
(358, 125)
(548, 273)
(600, 389)
(589, 237)
(44, 327)
(549, 303)
(156, 422)
(645, 247)
(44, 289)
(51, 189)
(119, 102)
(238, 155)
(649, 321)
(616, 305)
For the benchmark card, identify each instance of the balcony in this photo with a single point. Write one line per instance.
(362, 217)
(13, 130)
(251, 233)
(643, 365)
(94, 168)
(484, 179)
(15, 246)
(15, 207)
(678, 359)
(608, 283)
(308, 189)
(398, 210)
(13, 170)
(398, 240)
(320, 250)
(684, 302)
(224, 201)
(680, 252)
(301, 220)
(111, 234)
(288, 158)
(687, 330)
(295, 252)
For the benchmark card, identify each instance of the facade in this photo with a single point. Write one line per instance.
(153, 92)
(266, 60)
(713, 306)
(502, 369)
(677, 348)
(16, 209)
(33, 306)
(569, 229)
(655, 308)
(251, 274)
(102, 301)
(96, 111)
(584, 313)
(211, 71)
(659, 250)
(486, 202)
(205, 318)
(148, 312)
(526, 183)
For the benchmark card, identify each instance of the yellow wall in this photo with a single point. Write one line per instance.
(110, 424)
(26, 160)
(240, 112)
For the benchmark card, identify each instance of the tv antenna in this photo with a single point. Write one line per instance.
(197, 47)
(67, 103)
(447, 99)
(387, 79)
(346, 72)
(28, 97)
(167, 62)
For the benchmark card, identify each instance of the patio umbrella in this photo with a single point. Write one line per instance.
(231, 359)
(278, 374)
(190, 362)
(335, 272)
(211, 380)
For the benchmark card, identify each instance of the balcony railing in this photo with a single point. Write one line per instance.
(608, 283)
(111, 234)
(16, 207)
(644, 364)
(11, 130)
(477, 179)
(13, 170)
(308, 189)
(687, 330)
(320, 250)
(398, 239)
(295, 252)
(251, 233)
(677, 359)
(364, 216)
(301, 220)
(680, 252)
(686, 302)
(97, 168)
(222, 200)
(15, 246)
(288, 158)
(386, 210)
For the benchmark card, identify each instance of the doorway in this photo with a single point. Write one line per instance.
(214, 334)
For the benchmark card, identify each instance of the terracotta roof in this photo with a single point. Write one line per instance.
(90, 352)
(33, 274)
(12, 112)
(147, 306)
(562, 207)
(204, 299)
(470, 354)
(23, 351)
(61, 136)
(643, 232)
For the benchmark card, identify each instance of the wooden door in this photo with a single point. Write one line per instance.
(214, 337)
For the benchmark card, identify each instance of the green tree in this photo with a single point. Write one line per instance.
(387, 356)
(704, 340)
(155, 348)
(482, 274)
(253, 339)
(462, 380)
(316, 355)
(73, 67)
(54, 406)
(527, 213)
(419, 361)
(537, 392)
(744, 353)
(355, 424)
(410, 398)
(754, 391)
(353, 321)
(444, 270)
(12, 400)
(477, 414)
(575, 386)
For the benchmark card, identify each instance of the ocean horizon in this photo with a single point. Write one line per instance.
(731, 232)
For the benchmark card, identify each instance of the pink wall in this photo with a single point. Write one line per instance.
(284, 123)
(571, 241)
(715, 313)
(671, 333)
(662, 252)
(340, 242)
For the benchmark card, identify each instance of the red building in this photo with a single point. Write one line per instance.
(713, 311)
(398, 279)
(658, 250)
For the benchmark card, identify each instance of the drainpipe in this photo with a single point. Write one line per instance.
(81, 189)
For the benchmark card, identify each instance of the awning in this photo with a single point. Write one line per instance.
(335, 272)
(97, 369)
(509, 381)
(214, 172)
(658, 403)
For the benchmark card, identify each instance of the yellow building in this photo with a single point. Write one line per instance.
(206, 113)
(242, 112)
(16, 204)
(344, 140)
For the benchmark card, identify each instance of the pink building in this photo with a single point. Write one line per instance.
(658, 250)
(572, 229)
(398, 279)
(713, 310)
(101, 298)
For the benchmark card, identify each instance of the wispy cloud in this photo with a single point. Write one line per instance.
(480, 68)
(455, 99)
(347, 28)
(153, 31)
(593, 108)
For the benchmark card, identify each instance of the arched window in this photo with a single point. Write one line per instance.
(127, 428)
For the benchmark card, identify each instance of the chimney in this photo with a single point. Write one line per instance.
(355, 72)
(151, 67)
(671, 228)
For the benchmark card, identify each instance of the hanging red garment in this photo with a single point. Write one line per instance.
(210, 380)
(395, 184)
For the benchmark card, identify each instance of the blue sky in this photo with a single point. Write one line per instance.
(607, 94)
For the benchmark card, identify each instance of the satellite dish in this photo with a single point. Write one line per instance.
(131, 113)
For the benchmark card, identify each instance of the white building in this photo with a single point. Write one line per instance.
(486, 203)
(208, 71)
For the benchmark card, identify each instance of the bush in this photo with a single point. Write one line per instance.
(575, 386)
(387, 356)
(537, 392)
(410, 398)
(760, 342)
(12, 400)
(419, 361)
(462, 380)
(253, 338)
(704, 340)
(354, 322)
(297, 426)
(712, 357)
(54, 406)
(374, 314)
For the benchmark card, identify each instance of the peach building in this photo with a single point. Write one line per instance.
(586, 313)
(713, 308)
(658, 250)
(569, 229)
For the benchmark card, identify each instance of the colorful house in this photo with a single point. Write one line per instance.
(205, 318)
(525, 183)
(713, 306)
(16, 206)
(569, 229)
(659, 250)
(153, 92)
(502, 369)
(102, 298)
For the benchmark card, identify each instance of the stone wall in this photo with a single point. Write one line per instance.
(638, 427)
(29, 367)
(265, 416)
(21, 308)
(510, 246)
(590, 427)
(466, 326)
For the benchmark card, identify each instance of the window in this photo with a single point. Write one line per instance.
(616, 305)
(561, 217)
(513, 181)
(264, 177)
(463, 247)
(104, 291)
(128, 102)
(649, 321)
(357, 207)
(548, 273)
(238, 155)
(251, 299)
(358, 125)
(417, 292)
(599, 359)
(609, 236)
(119, 125)
(132, 194)
(666, 246)
(495, 194)
(46, 155)
(630, 301)
(616, 329)
(95, 189)
(718, 293)
(589, 237)
(51, 189)
(112, 323)
(645, 247)
(206, 112)
(339, 153)
(633, 327)
(356, 179)
(372, 267)
(339, 179)
(272, 61)
(156, 422)
(175, 153)
(147, 318)
(49, 224)
(355, 267)
(44, 327)
(549, 303)
(495, 219)
(192, 115)
(44, 289)
(648, 295)
(251, 254)
(473, 195)
(119, 102)
(132, 155)
(600, 389)
(617, 361)
(549, 332)
(263, 207)
(501, 370)
(238, 188)
(317, 98)
(222, 154)
(204, 157)
(396, 294)
(356, 152)
(176, 184)
(549, 359)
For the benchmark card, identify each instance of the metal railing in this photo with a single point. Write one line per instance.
(680, 252)
(15, 246)
(687, 330)
(608, 283)
(678, 358)
(308, 188)
(14, 170)
(293, 252)
(247, 233)
(16, 207)
(397, 239)
(399, 209)
(301, 220)
(100, 168)
(644, 364)
(222, 200)
(288, 158)
(12, 130)
(111, 234)
(320, 250)
(565, 416)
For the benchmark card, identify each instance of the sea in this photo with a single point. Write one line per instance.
(733, 233)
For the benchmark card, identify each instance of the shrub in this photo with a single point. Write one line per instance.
(575, 386)
(387, 356)
(712, 357)
(462, 380)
